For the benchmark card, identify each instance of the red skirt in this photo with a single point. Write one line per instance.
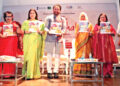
(8, 46)
(104, 48)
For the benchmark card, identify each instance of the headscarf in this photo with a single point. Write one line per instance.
(81, 14)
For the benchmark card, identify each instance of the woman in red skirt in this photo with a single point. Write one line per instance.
(103, 44)
(8, 42)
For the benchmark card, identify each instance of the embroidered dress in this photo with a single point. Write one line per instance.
(104, 49)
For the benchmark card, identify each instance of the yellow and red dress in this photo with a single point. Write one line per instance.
(83, 47)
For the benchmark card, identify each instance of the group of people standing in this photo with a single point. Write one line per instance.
(39, 40)
(35, 33)
(95, 44)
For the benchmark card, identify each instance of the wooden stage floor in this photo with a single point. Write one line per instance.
(62, 81)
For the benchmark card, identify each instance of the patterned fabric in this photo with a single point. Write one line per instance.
(8, 46)
(83, 43)
(33, 47)
(83, 49)
(52, 38)
(104, 49)
(83, 46)
(103, 46)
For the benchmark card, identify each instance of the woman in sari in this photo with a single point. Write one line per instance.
(33, 44)
(103, 46)
(83, 44)
(8, 42)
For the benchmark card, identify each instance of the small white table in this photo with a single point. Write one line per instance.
(95, 75)
(17, 77)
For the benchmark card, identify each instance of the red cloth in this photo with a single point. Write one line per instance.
(107, 69)
(8, 46)
(103, 46)
(14, 28)
(104, 50)
(20, 45)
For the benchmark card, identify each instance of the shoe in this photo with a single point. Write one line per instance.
(89, 72)
(88, 76)
(29, 78)
(109, 76)
(56, 75)
(49, 75)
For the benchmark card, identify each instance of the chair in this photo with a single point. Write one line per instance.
(43, 63)
(69, 53)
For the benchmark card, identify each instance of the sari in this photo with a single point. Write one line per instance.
(83, 49)
(33, 47)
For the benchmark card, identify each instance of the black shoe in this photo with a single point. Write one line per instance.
(109, 76)
(49, 75)
(56, 75)
(88, 76)
(29, 78)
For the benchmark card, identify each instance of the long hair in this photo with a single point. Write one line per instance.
(18, 23)
(36, 17)
(100, 16)
(5, 14)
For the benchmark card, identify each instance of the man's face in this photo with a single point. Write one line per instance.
(56, 10)
(8, 17)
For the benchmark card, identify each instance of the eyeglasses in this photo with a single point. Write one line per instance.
(102, 17)
(8, 16)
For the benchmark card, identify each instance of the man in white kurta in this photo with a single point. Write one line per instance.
(55, 26)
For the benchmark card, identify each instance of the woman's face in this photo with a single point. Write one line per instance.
(32, 14)
(9, 17)
(82, 17)
(102, 18)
